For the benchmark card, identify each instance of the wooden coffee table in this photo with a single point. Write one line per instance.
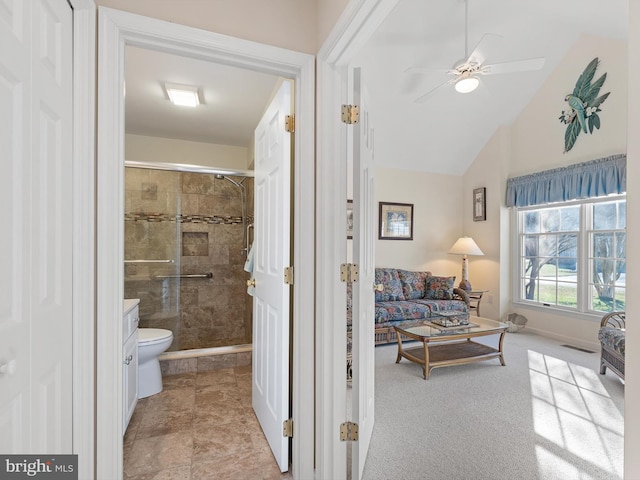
(444, 346)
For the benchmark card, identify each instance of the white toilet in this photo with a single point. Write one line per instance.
(151, 343)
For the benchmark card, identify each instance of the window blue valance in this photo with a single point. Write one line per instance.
(595, 178)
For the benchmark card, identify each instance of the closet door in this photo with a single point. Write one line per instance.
(36, 246)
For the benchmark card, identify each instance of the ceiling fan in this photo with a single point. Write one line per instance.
(465, 74)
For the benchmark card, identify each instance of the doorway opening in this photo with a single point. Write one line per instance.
(119, 30)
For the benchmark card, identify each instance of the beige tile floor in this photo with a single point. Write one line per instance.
(201, 426)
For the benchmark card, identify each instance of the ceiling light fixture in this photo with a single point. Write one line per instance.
(183, 95)
(466, 83)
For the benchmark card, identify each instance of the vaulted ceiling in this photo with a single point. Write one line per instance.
(445, 133)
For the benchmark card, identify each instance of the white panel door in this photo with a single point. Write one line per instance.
(35, 191)
(364, 256)
(270, 392)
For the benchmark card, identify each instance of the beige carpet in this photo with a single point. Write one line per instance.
(548, 414)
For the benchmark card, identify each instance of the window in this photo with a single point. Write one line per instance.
(572, 255)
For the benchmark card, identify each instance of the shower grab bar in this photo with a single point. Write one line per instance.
(246, 249)
(149, 261)
(185, 275)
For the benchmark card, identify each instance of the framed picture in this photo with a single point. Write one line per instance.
(349, 219)
(395, 221)
(479, 205)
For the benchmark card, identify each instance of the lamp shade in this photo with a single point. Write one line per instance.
(465, 246)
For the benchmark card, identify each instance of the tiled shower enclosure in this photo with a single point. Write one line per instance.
(184, 255)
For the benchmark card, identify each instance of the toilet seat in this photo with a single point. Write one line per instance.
(149, 336)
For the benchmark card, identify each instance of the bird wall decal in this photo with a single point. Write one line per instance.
(584, 105)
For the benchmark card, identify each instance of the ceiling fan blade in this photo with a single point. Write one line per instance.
(426, 70)
(484, 47)
(426, 96)
(513, 67)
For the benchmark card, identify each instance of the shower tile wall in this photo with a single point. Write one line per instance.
(195, 220)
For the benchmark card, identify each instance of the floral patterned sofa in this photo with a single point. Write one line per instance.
(404, 297)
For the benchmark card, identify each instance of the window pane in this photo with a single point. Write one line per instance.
(548, 246)
(620, 299)
(603, 245)
(568, 294)
(531, 222)
(549, 271)
(598, 304)
(531, 246)
(550, 220)
(604, 216)
(547, 292)
(622, 214)
(621, 244)
(621, 269)
(530, 289)
(570, 219)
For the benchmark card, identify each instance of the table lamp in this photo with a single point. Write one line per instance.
(465, 246)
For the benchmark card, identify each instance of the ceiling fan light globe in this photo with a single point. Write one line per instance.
(467, 84)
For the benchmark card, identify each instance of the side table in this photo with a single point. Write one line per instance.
(475, 297)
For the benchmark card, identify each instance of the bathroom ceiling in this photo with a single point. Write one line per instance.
(233, 99)
(443, 134)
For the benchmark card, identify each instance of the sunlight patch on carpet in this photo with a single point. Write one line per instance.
(570, 409)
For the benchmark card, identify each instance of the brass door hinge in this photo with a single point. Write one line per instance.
(288, 275)
(349, 273)
(287, 428)
(289, 124)
(350, 114)
(349, 432)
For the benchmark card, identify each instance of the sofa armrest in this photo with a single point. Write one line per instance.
(459, 294)
(613, 319)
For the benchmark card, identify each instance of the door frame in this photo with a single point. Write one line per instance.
(83, 268)
(116, 29)
(355, 26)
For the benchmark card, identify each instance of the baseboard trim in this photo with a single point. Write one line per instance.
(595, 346)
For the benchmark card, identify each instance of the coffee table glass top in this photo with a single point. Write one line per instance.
(431, 330)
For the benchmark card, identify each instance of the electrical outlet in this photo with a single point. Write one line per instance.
(490, 299)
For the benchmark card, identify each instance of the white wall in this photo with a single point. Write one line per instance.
(437, 221)
(142, 148)
(537, 136)
(489, 272)
(535, 142)
(286, 23)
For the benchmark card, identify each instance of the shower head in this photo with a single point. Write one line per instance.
(240, 185)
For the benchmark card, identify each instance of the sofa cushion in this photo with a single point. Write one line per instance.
(439, 288)
(390, 280)
(413, 284)
(612, 339)
(386, 312)
(444, 305)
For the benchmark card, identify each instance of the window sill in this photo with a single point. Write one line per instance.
(554, 310)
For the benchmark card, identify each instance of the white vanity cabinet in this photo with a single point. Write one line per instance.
(131, 319)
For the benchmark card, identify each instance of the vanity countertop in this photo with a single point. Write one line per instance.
(130, 303)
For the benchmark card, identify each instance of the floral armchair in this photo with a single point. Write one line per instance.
(612, 341)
